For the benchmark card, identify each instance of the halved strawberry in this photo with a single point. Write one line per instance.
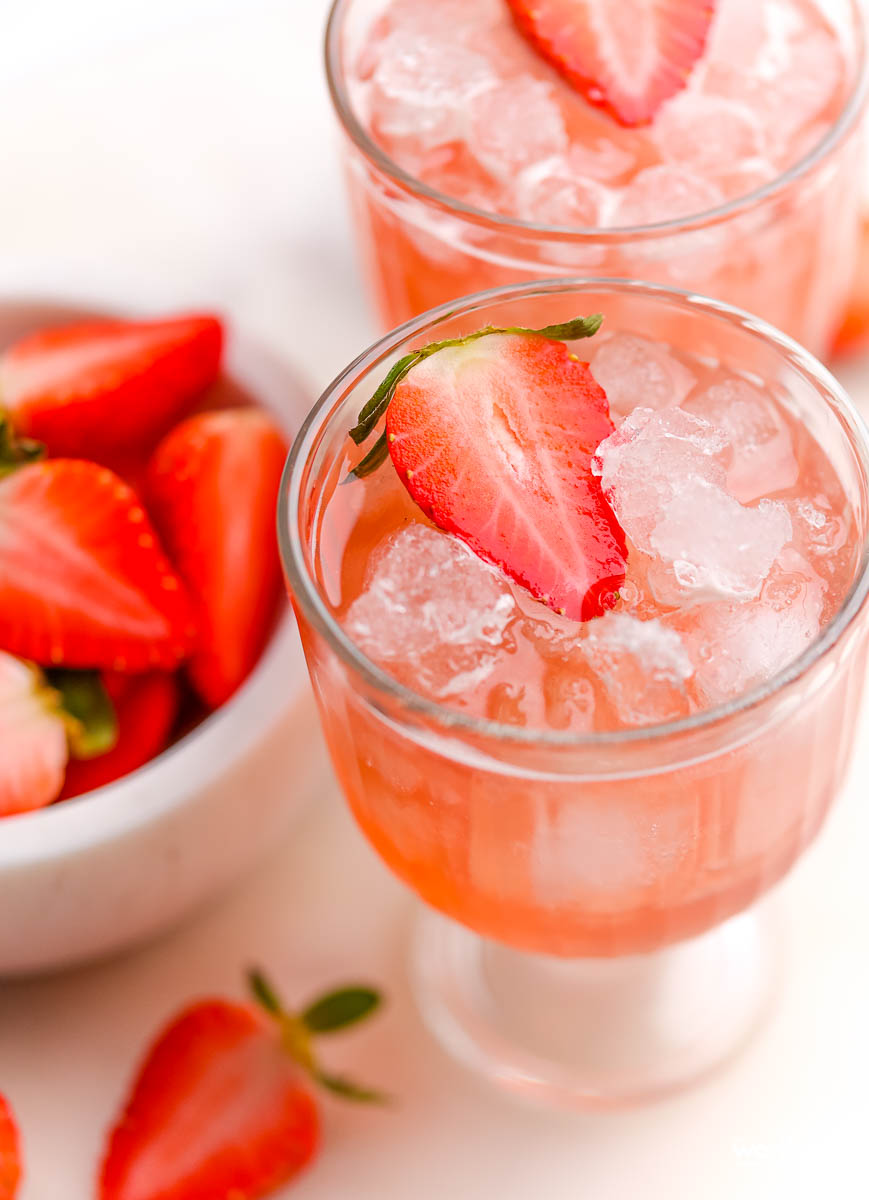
(212, 489)
(146, 709)
(625, 56)
(33, 746)
(10, 1154)
(83, 580)
(493, 437)
(220, 1108)
(100, 387)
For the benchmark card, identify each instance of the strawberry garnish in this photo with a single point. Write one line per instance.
(10, 1155)
(146, 708)
(493, 436)
(33, 746)
(625, 56)
(83, 580)
(100, 387)
(212, 488)
(221, 1107)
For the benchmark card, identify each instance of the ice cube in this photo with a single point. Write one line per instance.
(548, 194)
(643, 666)
(663, 193)
(421, 87)
(799, 92)
(760, 456)
(569, 699)
(643, 463)
(599, 159)
(710, 545)
(432, 612)
(459, 17)
(707, 133)
(637, 373)
(513, 125)
(736, 647)
(663, 476)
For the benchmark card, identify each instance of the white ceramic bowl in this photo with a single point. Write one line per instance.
(118, 865)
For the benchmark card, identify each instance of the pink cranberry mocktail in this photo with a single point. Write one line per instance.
(473, 162)
(586, 625)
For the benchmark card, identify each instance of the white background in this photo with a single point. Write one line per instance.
(172, 152)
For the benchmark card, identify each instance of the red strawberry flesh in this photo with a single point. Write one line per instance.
(101, 386)
(213, 488)
(625, 56)
(494, 440)
(10, 1158)
(83, 580)
(218, 1110)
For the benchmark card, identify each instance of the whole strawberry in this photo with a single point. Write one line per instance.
(212, 489)
(221, 1107)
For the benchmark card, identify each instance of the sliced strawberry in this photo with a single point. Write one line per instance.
(146, 710)
(213, 487)
(105, 386)
(852, 336)
(10, 1155)
(220, 1108)
(625, 56)
(33, 748)
(493, 437)
(83, 580)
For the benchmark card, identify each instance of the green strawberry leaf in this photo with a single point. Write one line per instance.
(16, 452)
(338, 1085)
(373, 409)
(93, 729)
(341, 1008)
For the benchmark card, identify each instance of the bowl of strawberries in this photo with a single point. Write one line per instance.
(156, 729)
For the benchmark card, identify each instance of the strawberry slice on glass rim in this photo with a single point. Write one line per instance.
(493, 436)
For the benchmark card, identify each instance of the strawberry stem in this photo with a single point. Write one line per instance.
(373, 410)
(16, 452)
(93, 725)
(328, 1013)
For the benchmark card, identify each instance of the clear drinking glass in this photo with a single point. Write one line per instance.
(591, 934)
(786, 251)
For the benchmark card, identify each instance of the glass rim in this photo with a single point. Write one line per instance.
(307, 594)
(836, 133)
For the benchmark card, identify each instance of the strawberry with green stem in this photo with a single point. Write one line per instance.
(493, 435)
(221, 1106)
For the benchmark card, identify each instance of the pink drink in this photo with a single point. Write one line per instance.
(606, 787)
(476, 164)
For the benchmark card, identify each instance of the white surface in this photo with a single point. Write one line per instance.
(178, 151)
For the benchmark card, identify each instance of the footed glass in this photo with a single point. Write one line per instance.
(592, 933)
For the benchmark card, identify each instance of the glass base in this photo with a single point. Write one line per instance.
(595, 1033)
